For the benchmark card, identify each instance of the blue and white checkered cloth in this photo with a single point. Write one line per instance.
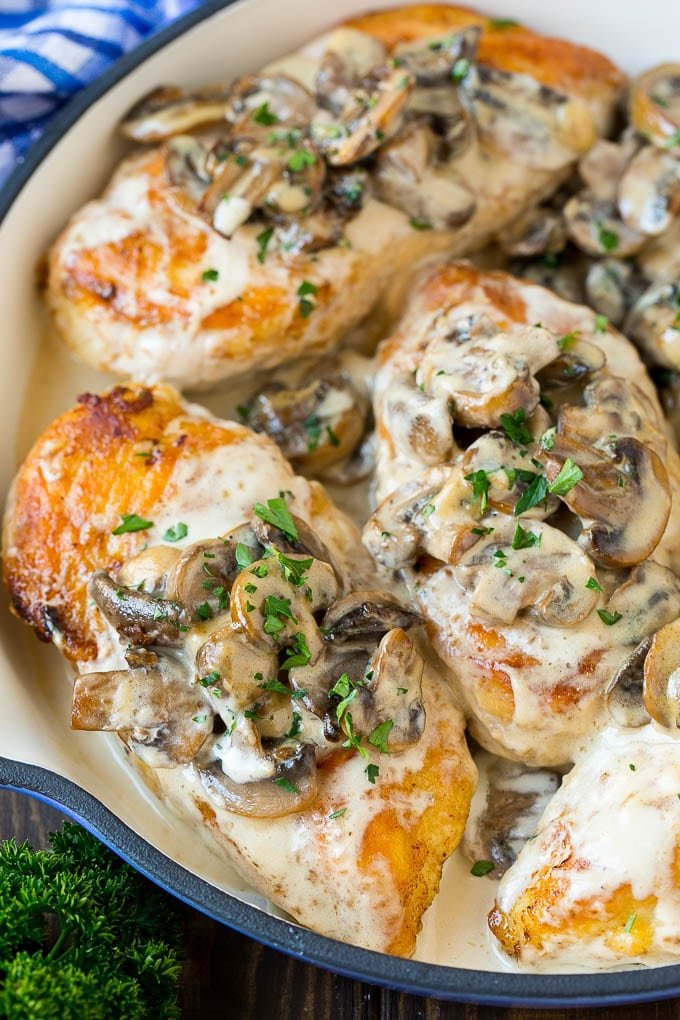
(51, 48)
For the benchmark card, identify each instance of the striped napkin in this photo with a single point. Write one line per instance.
(51, 48)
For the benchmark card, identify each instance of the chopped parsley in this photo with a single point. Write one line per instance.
(460, 69)
(338, 814)
(300, 160)
(131, 522)
(420, 224)
(176, 532)
(378, 737)
(244, 556)
(346, 690)
(277, 514)
(593, 584)
(674, 139)
(569, 476)
(276, 611)
(297, 653)
(272, 685)
(263, 240)
(481, 531)
(480, 488)
(629, 923)
(286, 784)
(313, 427)
(263, 115)
(548, 438)
(534, 494)
(567, 340)
(293, 570)
(601, 323)
(525, 539)
(372, 771)
(332, 437)
(210, 276)
(295, 726)
(608, 239)
(204, 612)
(609, 618)
(480, 868)
(428, 510)
(305, 306)
(501, 24)
(514, 426)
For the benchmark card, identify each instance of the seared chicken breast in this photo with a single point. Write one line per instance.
(264, 219)
(598, 884)
(223, 619)
(528, 491)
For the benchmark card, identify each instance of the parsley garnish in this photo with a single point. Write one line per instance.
(601, 322)
(273, 685)
(276, 611)
(131, 522)
(176, 532)
(480, 868)
(277, 513)
(420, 224)
(305, 306)
(293, 570)
(372, 771)
(569, 476)
(534, 494)
(568, 339)
(210, 275)
(378, 736)
(338, 814)
(295, 727)
(298, 653)
(548, 438)
(515, 428)
(263, 240)
(480, 488)
(630, 922)
(609, 618)
(593, 584)
(501, 24)
(525, 539)
(204, 612)
(244, 556)
(481, 531)
(209, 678)
(286, 784)
(301, 159)
(460, 69)
(608, 239)
(264, 116)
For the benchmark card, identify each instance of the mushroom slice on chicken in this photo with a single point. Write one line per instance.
(348, 57)
(612, 288)
(169, 111)
(486, 371)
(622, 496)
(624, 691)
(538, 569)
(517, 114)
(613, 407)
(506, 470)
(654, 105)
(420, 425)
(140, 618)
(159, 712)
(539, 231)
(661, 686)
(649, 191)
(654, 323)
(596, 227)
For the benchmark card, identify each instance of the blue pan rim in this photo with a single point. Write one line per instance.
(431, 980)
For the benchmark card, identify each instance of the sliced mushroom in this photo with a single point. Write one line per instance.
(148, 571)
(538, 231)
(364, 613)
(655, 105)
(419, 424)
(624, 696)
(275, 178)
(391, 695)
(623, 498)
(649, 192)
(370, 115)
(576, 362)
(540, 127)
(597, 228)
(646, 600)
(228, 666)
(432, 61)
(485, 371)
(432, 513)
(661, 685)
(169, 111)
(659, 261)
(540, 570)
(603, 166)
(139, 618)
(315, 424)
(262, 103)
(186, 164)
(203, 576)
(164, 718)
(509, 471)
(405, 177)
(313, 684)
(612, 288)
(290, 787)
(563, 273)
(348, 57)
(305, 543)
(273, 613)
(654, 323)
(613, 407)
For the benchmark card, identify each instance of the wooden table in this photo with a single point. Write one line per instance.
(229, 976)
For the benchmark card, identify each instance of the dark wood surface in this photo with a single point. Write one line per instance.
(230, 977)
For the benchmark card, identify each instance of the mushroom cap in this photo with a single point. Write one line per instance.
(657, 121)
(140, 618)
(649, 191)
(661, 685)
(168, 111)
(292, 787)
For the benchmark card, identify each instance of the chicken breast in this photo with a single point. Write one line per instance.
(529, 493)
(598, 883)
(235, 243)
(202, 592)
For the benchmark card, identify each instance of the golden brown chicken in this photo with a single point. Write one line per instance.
(201, 589)
(268, 216)
(529, 493)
